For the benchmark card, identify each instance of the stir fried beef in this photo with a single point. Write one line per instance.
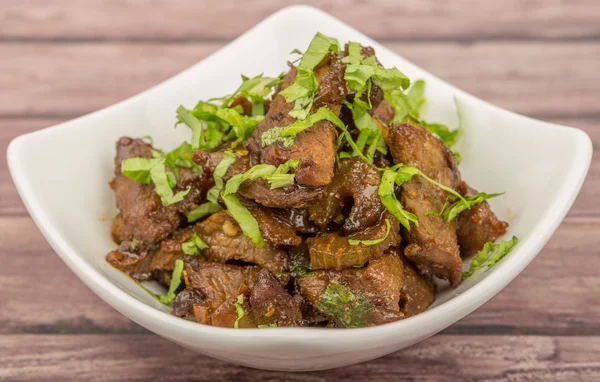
(315, 147)
(144, 216)
(355, 183)
(379, 283)
(334, 251)
(432, 245)
(323, 225)
(478, 225)
(293, 196)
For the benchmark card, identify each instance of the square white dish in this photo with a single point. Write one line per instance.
(62, 173)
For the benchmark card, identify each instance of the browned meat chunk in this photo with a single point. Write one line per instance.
(379, 283)
(417, 293)
(144, 217)
(268, 304)
(132, 257)
(355, 183)
(293, 196)
(432, 245)
(209, 160)
(314, 147)
(477, 226)
(226, 242)
(274, 228)
(219, 283)
(333, 251)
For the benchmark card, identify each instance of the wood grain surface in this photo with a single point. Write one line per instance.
(62, 59)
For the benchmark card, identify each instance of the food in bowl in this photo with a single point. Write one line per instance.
(320, 197)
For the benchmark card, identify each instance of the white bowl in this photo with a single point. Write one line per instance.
(62, 172)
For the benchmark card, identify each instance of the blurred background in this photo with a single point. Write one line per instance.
(61, 59)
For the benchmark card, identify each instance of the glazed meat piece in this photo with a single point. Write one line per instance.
(355, 184)
(274, 228)
(132, 257)
(417, 294)
(314, 147)
(432, 245)
(293, 196)
(226, 242)
(477, 226)
(144, 217)
(219, 283)
(379, 283)
(333, 251)
(268, 304)
(209, 160)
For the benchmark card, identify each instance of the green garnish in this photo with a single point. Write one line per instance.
(244, 218)
(181, 157)
(255, 88)
(238, 304)
(302, 270)
(372, 241)
(416, 97)
(389, 200)
(193, 246)
(213, 206)
(303, 90)
(451, 212)
(490, 254)
(339, 302)
(144, 170)
(175, 282)
(272, 325)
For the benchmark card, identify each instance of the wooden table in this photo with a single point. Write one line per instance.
(62, 59)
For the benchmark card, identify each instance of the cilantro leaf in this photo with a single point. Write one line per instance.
(244, 218)
(490, 254)
(390, 79)
(175, 282)
(339, 302)
(372, 241)
(416, 97)
(138, 169)
(194, 245)
(272, 325)
(451, 212)
(163, 187)
(238, 304)
(204, 209)
(388, 199)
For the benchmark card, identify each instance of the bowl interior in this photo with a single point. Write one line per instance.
(63, 171)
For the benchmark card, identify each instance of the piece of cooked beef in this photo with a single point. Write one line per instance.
(227, 242)
(379, 283)
(432, 245)
(219, 283)
(355, 184)
(314, 147)
(478, 225)
(294, 196)
(417, 294)
(209, 160)
(275, 228)
(334, 251)
(144, 217)
(132, 257)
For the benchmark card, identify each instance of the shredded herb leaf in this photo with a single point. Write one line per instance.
(175, 282)
(388, 199)
(272, 325)
(302, 270)
(490, 254)
(238, 304)
(451, 212)
(372, 241)
(163, 187)
(339, 302)
(138, 169)
(193, 246)
(244, 218)
(203, 210)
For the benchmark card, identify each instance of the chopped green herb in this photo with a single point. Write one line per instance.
(416, 98)
(193, 246)
(390, 79)
(490, 254)
(400, 103)
(272, 325)
(388, 199)
(218, 174)
(339, 302)
(138, 169)
(372, 241)
(451, 212)
(238, 304)
(175, 282)
(244, 218)
(302, 270)
(354, 56)
(163, 188)
(204, 209)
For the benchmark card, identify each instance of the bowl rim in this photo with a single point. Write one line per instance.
(438, 317)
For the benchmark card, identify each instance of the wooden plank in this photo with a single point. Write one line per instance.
(440, 358)
(201, 20)
(555, 295)
(10, 203)
(543, 80)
